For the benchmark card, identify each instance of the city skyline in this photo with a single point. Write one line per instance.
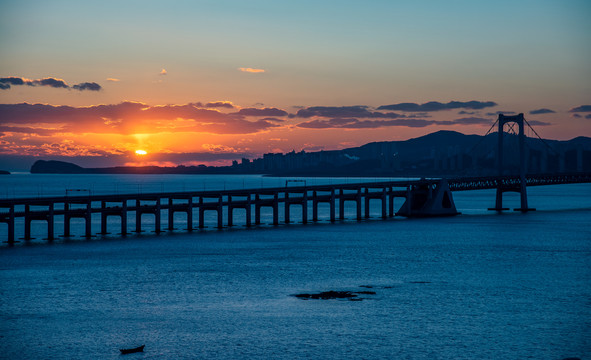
(211, 81)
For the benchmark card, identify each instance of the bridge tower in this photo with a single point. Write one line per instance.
(503, 186)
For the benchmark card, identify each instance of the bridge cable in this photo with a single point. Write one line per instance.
(482, 138)
(539, 137)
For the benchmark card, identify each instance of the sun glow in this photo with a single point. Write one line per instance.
(141, 152)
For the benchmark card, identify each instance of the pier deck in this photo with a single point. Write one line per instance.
(224, 202)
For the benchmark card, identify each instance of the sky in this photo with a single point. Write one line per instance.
(208, 82)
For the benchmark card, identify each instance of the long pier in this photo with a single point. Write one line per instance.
(424, 197)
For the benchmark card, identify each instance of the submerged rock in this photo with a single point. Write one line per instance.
(327, 295)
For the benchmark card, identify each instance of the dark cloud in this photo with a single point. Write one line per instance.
(538, 123)
(437, 106)
(326, 124)
(374, 124)
(11, 80)
(576, 115)
(500, 112)
(130, 117)
(261, 112)
(51, 82)
(358, 111)
(28, 130)
(469, 121)
(219, 104)
(588, 116)
(214, 105)
(273, 119)
(416, 115)
(582, 108)
(354, 123)
(7, 82)
(92, 86)
(542, 111)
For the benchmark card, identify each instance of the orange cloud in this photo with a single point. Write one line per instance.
(251, 70)
(150, 163)
(218, 148)
(112, 80)
(132, 118)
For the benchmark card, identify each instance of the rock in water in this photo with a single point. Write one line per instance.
(326, 295)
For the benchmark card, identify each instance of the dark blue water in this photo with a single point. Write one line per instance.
(479, 285)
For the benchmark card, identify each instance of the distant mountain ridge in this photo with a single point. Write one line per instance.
(442, 153)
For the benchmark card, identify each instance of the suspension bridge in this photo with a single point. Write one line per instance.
(424, 197)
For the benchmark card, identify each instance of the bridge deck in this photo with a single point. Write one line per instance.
(47, 208)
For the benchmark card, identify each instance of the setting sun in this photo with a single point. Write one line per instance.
(141, 152)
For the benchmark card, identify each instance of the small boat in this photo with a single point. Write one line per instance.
(134, 350)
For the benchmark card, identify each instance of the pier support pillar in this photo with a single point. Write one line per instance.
(138, 217)
(190, 214)
(10, 224)
(28, 222)
(201, 213)
(391, 204)
(50, 218)
(170, 214)
(314, 206)
(341, 205)
(384, 202)
(367, 203)
(248, 211)
(124, 218)
(158, 217)
(287, 219)
(358, 203)
(230, 212)
(221, 212)
(305, 207)
(103, 218)
(88, 219)
(332, 205)
(276, 209)
(499, 200)
(257, 210)
(66, 220)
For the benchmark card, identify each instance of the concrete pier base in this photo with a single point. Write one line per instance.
(426, 201)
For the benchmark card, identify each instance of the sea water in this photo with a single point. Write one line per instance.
(479, 285)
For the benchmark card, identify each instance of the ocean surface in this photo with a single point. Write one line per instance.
(480, 285)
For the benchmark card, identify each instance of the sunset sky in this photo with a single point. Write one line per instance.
(207, 82)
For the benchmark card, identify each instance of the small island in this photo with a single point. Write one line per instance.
(4, 172)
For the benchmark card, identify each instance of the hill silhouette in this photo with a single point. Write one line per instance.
(442, 153)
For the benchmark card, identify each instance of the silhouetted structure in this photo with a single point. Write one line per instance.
(425, 197)
(521, 187)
